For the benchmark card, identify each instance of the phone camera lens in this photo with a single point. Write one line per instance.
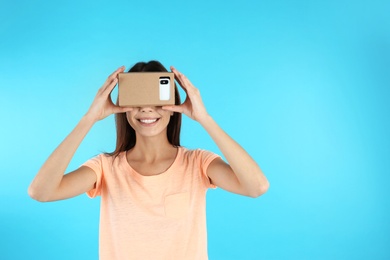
(164, 82)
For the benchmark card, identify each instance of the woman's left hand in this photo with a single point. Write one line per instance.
(193, 105)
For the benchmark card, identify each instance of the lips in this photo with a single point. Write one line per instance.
(148, 121)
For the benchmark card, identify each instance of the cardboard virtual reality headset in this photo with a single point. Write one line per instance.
(136, 89)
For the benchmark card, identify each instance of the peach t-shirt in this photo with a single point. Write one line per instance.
(153, 217)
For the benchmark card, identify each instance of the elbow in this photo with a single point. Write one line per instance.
(260, 190)
(34, 194)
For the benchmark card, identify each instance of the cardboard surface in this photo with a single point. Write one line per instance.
(146, 89)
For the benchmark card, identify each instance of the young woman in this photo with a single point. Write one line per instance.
(152, 189)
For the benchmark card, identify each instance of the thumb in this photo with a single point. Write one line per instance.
(122, 109)
(178, 109)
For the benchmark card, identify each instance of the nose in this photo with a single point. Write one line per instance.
(147, 109)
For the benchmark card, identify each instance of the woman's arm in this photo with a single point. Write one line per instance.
(50, 183)
(242, 175)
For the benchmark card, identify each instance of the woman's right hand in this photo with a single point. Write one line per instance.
(102, 106)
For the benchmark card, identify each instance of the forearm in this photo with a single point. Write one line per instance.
(245, 168)
(51, 173)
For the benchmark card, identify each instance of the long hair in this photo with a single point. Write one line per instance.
(125, 134)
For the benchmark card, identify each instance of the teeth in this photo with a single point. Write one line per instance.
(148, 121)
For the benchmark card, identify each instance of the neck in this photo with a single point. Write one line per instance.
(152, 147)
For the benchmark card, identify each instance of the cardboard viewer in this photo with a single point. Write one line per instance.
(136, 89)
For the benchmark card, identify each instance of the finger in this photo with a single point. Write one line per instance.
(113, 77)
(115, 73)
(108, 89)
(178, 77)
(118, 109)
(184, 82)
(178, 109)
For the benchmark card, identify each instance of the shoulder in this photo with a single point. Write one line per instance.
(106, 159)
(200, 155)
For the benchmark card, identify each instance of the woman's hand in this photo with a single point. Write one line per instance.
(102, 106)
(193, 105)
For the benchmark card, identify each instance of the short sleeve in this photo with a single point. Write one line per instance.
(205, 158)
(96, 164)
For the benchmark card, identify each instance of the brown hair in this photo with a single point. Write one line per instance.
(125, 134)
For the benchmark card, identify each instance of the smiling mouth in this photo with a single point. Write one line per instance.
(148, 121)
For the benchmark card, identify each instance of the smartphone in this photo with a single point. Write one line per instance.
(137, 89)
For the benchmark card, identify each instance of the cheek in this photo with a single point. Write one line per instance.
(167, 116)
(164, 113)
(130, 118)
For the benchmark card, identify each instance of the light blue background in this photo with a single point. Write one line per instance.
(302, 85)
